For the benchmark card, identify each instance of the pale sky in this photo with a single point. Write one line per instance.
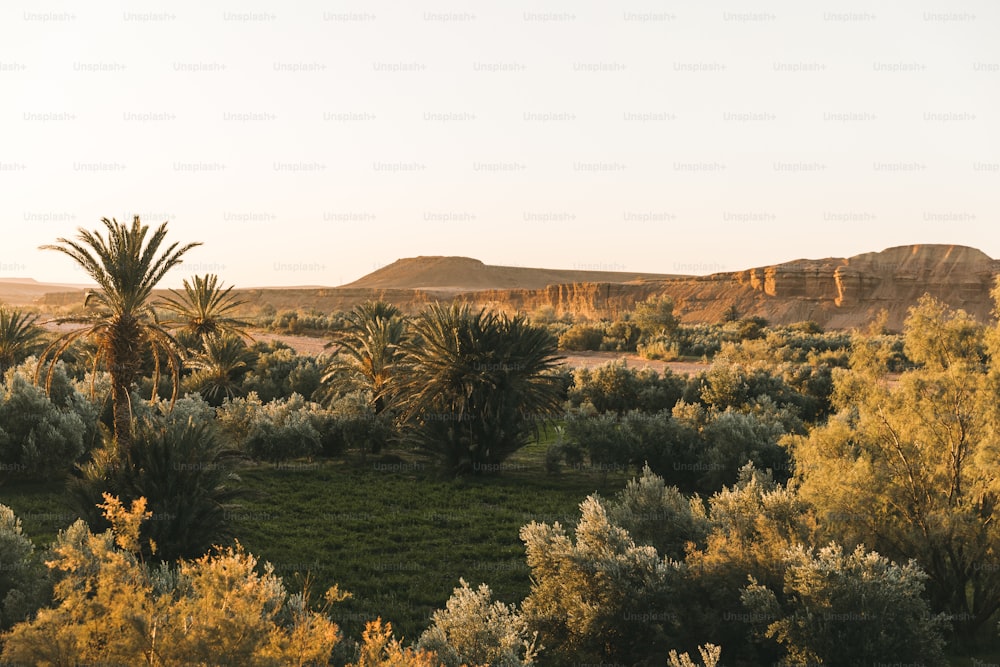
(310, 142)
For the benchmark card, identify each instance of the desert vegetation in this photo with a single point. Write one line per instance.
(438, 489)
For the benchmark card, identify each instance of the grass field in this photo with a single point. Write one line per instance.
(400, 540)
(393, 534)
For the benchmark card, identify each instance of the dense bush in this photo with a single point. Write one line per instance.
(700, 451)
(845, 610)
(731, 439)
(351, 424)
(43, 435)
(184, 473)
(750, 527)
(111, 608)
(473, 629)
(279, 372)
(598, 598)
(24, 582)
(619, 388)
(620, 336)
(581, 337)
(734, 385)
(190, 407)
(660, 516)
(297, 322)
(274, 431)
(633, 440)
(655, 317)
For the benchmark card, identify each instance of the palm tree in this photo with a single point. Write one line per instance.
(205, 308)
(126, 265)
(478, 385)
(220, 367)
(185, 473)
(20, 336)
(369, 349)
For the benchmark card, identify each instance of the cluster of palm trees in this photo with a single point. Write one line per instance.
(121, 322)
(468, 385)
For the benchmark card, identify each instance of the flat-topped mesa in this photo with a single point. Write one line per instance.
(453, 275)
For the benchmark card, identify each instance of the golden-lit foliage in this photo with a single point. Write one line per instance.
(219, 609)
(380, 649)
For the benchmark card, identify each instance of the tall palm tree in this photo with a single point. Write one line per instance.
(219, 367)
(20, 336)
(478, 384)
(368, 351)
(126, 264)
(205, 308)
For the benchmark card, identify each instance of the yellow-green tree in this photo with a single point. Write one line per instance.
(908, 465)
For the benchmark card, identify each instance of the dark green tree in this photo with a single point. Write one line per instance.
(20, 337)
(219, 368)
(368, 351)
(184, 473)
(478, 385)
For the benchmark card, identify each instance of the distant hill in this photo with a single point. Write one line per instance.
(837, 293)
(25, 291)
(463, 274)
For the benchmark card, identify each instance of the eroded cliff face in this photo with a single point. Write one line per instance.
(850, 292)
(837, 293)
(593, 300)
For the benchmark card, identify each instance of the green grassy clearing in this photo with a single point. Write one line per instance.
(393, 534)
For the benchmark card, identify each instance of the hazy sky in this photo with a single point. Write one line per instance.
(309, 142)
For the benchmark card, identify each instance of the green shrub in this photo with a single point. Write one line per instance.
(619, 388)
(600, 597)
(837, 609)
(280, 372)
(581, 337)
(473, 629)
(277, 430)
(658, 515)
(42, 435)
(24, 582)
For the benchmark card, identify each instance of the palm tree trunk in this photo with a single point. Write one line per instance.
(122, 408)
(124, 366)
